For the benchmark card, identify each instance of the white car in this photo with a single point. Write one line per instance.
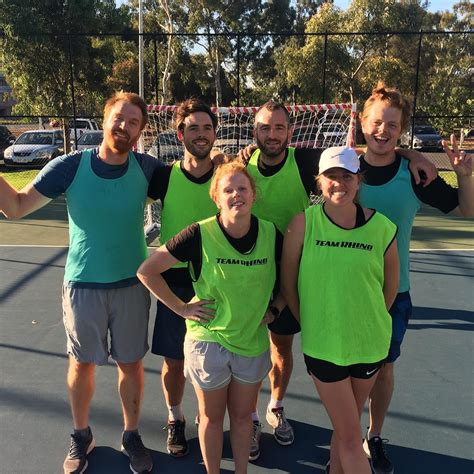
(80, 126)
(34, 148)
(90, 140)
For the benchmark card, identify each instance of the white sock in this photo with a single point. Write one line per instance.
(175, 413)
(371, 435)
(255, 416)
(275, 404)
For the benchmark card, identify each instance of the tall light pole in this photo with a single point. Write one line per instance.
(141, 89)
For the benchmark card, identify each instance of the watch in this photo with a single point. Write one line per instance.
(274, 310)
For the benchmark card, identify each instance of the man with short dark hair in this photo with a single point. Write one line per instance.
(183, 189)
(105, 188)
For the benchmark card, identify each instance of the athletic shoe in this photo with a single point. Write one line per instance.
(140, 457)
(196, 420)
(282, 430)
(328, 467)
(76, 459)
(255, 444)
(379, 460)
(176, 443)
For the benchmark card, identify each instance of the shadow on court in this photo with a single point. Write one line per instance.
(430, 423)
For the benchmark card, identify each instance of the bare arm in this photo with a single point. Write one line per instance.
(290, 263)
(462, 166)
(15, 204)
(150, 274)
(391, 274)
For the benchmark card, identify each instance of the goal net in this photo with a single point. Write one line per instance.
(314, 126)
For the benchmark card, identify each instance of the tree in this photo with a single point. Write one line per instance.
(40, 59)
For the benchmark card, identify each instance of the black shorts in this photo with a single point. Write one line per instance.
(328, 372)
(286, 324)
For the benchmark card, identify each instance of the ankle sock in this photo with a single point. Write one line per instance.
(255, 416)
(84, 433)
(275, 404)
(175, 413)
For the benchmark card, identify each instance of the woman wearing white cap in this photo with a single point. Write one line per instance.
(341, 275)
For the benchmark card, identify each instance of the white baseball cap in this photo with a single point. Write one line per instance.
(339, 157)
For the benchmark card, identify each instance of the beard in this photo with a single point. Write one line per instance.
(121, 145)
(200, 153)
(273, 152)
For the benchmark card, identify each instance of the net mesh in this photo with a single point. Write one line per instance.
(314, 126)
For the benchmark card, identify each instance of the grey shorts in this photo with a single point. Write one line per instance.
(211, 366)
(100, 322)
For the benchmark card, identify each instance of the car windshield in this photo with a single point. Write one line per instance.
(425, 130)
(35, 138)
(90, 139)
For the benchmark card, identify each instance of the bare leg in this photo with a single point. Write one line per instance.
(380, 397)
(241, 398)
(173, 381)
(212, 406)
(343, 401)
(81, 385)
(130, 386)
(282, 364)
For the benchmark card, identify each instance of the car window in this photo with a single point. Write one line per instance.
(90, 139)
(35, 138)
(425, 130)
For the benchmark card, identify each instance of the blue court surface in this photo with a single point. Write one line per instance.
(430, 424)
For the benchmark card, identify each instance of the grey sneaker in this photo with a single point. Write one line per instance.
(140, 457)
(255, 444)
(375, 450)
(76, 459)
(282, 430)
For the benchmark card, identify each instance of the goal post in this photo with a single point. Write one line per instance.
(314, 126)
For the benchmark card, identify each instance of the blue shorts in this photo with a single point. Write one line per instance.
(401, 313)
(170, 328)
(286, 324)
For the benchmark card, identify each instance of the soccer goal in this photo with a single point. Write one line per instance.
(314, 126)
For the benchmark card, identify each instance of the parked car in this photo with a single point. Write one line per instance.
(89, 140)
(425, 138)
(167, 147)
(80, 126)
(232, 138)
(6, 139)
(34, 148)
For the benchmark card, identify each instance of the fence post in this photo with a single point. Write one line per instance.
(238, 69)
(155, 68)
(73, 96)
(415, 92)
(323, 99)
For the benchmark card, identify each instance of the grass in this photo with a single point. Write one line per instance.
(18, 179)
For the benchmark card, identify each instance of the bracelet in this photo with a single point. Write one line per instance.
(275, 311)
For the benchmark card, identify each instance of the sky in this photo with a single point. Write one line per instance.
(434, 6)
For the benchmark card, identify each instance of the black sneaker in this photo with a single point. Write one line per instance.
(76, 459)
(176, 443)
(255, 443)
(140, 457)
(379, 460)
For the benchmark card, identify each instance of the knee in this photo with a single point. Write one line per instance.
(80, 368)
(350, 442)
(175, 366)
(214, 420)
(282, 346)
(130, 368)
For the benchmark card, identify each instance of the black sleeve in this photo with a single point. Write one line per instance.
(307, 160)
(438, 194)
(158, 185)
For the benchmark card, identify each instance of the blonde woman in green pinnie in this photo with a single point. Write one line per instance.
(226, 349)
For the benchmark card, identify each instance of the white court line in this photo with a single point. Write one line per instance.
(66, 246)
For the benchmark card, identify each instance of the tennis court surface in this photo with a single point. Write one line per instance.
(430, 424)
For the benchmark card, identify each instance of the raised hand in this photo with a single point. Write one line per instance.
(460, 161)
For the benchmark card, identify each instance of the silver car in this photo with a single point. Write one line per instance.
(425, 138)
(34, 148)
(89, 140)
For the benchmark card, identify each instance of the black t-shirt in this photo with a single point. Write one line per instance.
(307, 160)
(438, 193)
(186, 246)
